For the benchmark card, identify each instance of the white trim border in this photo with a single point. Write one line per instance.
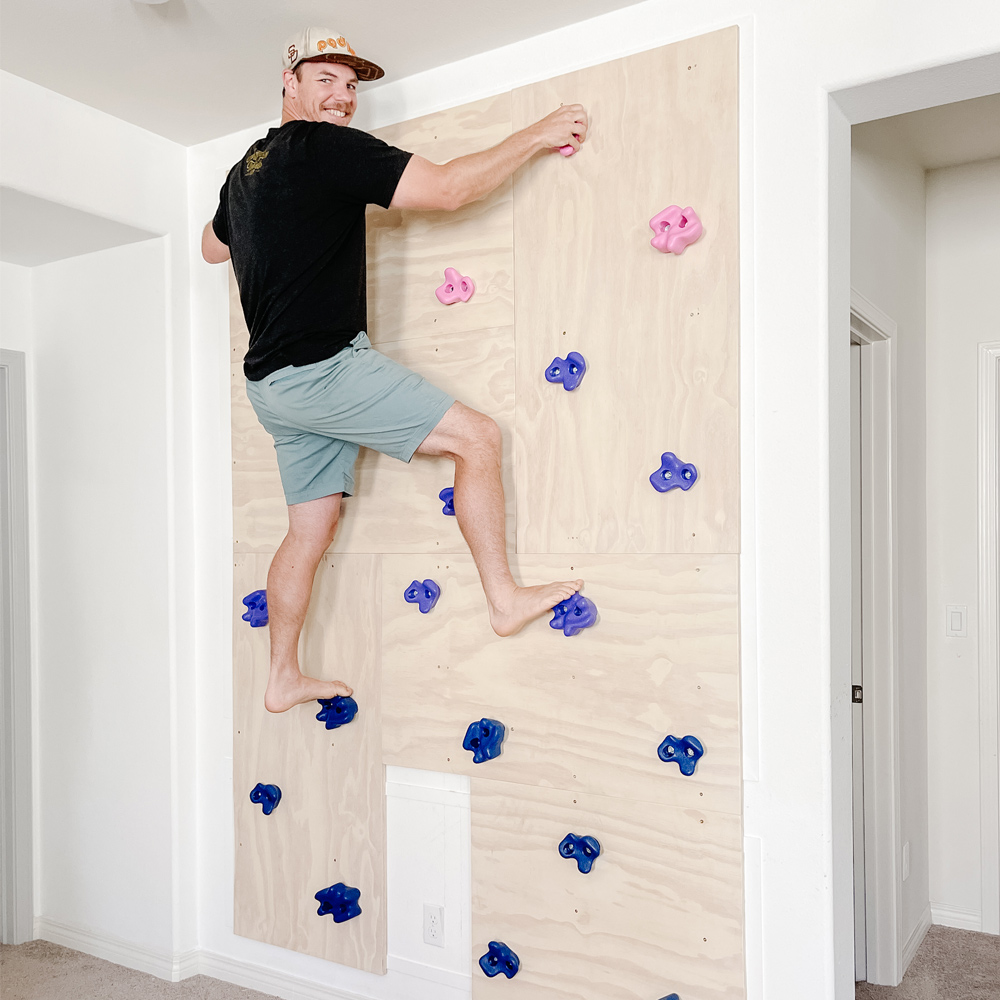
(917, 935)
(954, 916)
(989, 634)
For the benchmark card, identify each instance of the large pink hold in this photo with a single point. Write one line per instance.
(675, 229)
(456, 287)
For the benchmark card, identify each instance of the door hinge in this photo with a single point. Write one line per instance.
(857, 694)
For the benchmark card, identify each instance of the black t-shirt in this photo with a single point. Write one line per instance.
(292, 212)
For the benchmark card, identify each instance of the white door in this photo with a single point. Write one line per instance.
(857, 674)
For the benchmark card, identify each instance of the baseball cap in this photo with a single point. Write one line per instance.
(320, 43)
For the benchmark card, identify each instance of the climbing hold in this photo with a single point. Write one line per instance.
(574, 615)
(673, 473)
(567, 150)
(583, 850)
(685, 753)
(569, 370)
(256, 608)
(456, 287)
(500, 960)
(675, 229)
(673, 996)
(268, 796)
(337, 712)
(447, 495)
(339, 900)
(485, 739)
(425, 595)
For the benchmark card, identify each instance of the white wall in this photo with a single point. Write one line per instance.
(15, 307)
(103, 690)
(963, 306)
(111, 565)
(887, 268)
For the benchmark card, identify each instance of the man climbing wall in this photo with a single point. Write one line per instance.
(292, 216)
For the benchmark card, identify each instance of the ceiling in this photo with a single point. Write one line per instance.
(193, 70)
(947, 135)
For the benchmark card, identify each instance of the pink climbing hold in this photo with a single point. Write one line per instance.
(456, 287)
(675, 229)
(567, 150)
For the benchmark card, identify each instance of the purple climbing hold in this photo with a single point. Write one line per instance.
(256, 608)
(266, 796)
(568, 370)
(673, 473)
(447, 497)
(339, 900)
(500, 960)
(425, 595)
(337, 712)
(685, 753)
(574, 615)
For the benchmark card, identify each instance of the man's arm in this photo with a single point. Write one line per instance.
(212, 248)
(451, 185)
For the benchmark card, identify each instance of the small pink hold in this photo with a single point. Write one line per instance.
(456, 287)
(675, 229)
(566, 150)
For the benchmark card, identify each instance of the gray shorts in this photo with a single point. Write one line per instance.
(320, 414)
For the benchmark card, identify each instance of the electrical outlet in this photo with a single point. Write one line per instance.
(906, 861)
(434, 925)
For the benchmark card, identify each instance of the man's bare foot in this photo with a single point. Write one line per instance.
(288, 688)
(524, 604)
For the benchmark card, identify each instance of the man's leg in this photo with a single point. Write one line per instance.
(472, 440)
(311, 527)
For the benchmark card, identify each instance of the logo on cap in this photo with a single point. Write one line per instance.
(292, 53)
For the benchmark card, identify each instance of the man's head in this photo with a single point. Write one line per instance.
(321, 73)
(321, 90)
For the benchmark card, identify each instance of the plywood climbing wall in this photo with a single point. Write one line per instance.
(562, 262)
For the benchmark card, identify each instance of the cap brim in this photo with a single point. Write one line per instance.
(366, 70)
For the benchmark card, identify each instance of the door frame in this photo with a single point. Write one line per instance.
(875, 332)
(16, 849)
(989, 632)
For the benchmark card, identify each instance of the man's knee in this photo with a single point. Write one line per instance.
(482, 435)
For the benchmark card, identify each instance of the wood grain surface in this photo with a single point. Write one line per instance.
(329, 826)
(408, 251)
(585, 713)
(660, 332)
(660, 912)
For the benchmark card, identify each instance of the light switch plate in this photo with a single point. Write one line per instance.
(956, 620)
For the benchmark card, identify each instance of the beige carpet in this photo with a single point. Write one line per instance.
(949, 965)
(42, 971)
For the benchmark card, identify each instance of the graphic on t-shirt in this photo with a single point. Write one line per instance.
(255, 161)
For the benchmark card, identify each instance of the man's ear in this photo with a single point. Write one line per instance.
(290, 81)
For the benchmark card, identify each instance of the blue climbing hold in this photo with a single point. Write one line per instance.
(574, 615)
(583, 850)
(673, 473)
(673, 996)
(685, 753)
(336, 712)
(425, 595)
(568, 370)
(485, 739)
(256, 608)
(447, 495)
(267, 796)
(339, 900)
(500, 960)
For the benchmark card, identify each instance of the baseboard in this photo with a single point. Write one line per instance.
(163, 965)
(260, 977)
(953, 916)
(916, 938)
(442, 977)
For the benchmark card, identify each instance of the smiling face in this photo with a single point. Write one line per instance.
(320, 91)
